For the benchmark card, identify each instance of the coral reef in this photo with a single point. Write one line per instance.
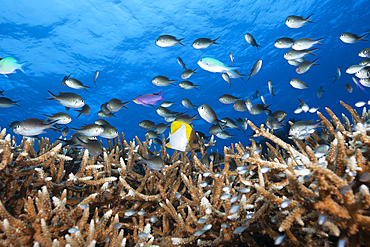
(293, 196)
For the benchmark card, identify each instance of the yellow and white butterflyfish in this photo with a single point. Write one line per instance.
(182, 137)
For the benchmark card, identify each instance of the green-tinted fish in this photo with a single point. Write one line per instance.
(294, 21)
(224, 135)
(93, 145)
(239, 105)
(258, 109)
(167, 41)
(6, 102)
(250, 39)
(273, 123)
(305, 43)
(90, 130)
(8, 65)
(279, 115)
(160, 128)
(349, 88)
(293, 54)
(186, 118)
(151, 134)
(147, 125)
(229, 123)
(101, 122)
(32, 127)
(213, 65)
(208, 114)
(164, 112)
(305, 66)
(283, 43)
(228, 99)
(58, 118)
(187, 73)
(188, 85)
(116, 105)
(68, 100)
(187, 103)
(162, 81)
(303, 129)
(296, 83)
(364, 52)
(105, 115)
(85, 110)
(153, 163)
(104, 108)
(256, 67)
(109, 132)
(320, 91)
(203, 43)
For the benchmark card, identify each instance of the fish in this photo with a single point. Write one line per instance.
(258, 109)
(203, 43)
(349, 88)
(154, 163)
(104, 108)
(273, 123)
(296, 83)
(354, 69)
(229, 123)
(305, 43)
(101, 122)
(187, 73)
(359, 85)
(213, 65)
(364, 53)
(2, 92)
(250, 39)
(226, 78)
(363, 73)
(105, 115)
(303, 129)
(239, 105)
(182, 137)
(284, 42)
(351, 38)
(68, 100)
(8, 65)
(256, 67)
(320, 91)
(224, 135)
(365, 62)
(94, 146)
(188, 85)
(365, 82)
(187, 103)
(182, 64)
(167, 103)
(279, 115)
(58, 118)
(90, 130)
(162, 81)
(338, 75)
(293, 54)
(186, 118)
(231, 57)
(248, 104)
(85, 110)
(215, 129)
(73, 83)
(160, 128)
(115, 105)
(164, 112)
(149, 99)
(305, 66)
(269, 82)
(208, 114)
(294, 21)
(147, 124)
(109, 131)
(295, 62)
(33, 127)
(168, 41)
(228, 99)
(256, 94)
(96, 74)
(65, 131)
(6, 102)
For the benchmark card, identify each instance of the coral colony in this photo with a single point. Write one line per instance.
(310, 193)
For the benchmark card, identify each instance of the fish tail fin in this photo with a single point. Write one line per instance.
(21, 69)
(53, 95)
(310, 51)
(362, 37)
(257, 45)
(214, 41)
(16, 103)
(79, 113)
(179, 40)
(308, 17)
(124, 104)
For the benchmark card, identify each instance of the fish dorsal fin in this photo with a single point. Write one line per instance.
(178, 137)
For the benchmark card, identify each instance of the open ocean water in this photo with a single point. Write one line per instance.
(58, 38)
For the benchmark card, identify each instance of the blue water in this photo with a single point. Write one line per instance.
(118, 39)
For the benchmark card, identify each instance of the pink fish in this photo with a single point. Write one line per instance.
(149, 99)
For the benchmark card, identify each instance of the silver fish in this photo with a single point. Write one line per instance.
(351, 38)
(85, 110)
(147, 125)
(101, 122)
(293, 54)
(303, 129)
(90, 130)
(239, 105)
(187, 103)
(203, 43)
(187, 73)
(226, 78)
(160, 128)
(188, 85)
(168, 41)
(279, 115)
(271, 88)
(224, 135)
(250, 39)
(109, 131)
(96, 74)
(74, 83)
(105, 115)
(32, 127)
(256, 67)
(167, 103)
(215, 129)
(283, 43)
(208, 114)
(258, 109)
(296, 83)
(162, 81)
(294, 21)
(364, 53)
(116, 105)
(338, 75)
(320, 91)
(305, 66)
(182, 64)
(153, 163)
(58, 118)
(68, 100)
(305, 43)
(6, 102)
(231, 57)
(228, 99)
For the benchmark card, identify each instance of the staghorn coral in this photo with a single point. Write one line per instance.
(56, 196)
